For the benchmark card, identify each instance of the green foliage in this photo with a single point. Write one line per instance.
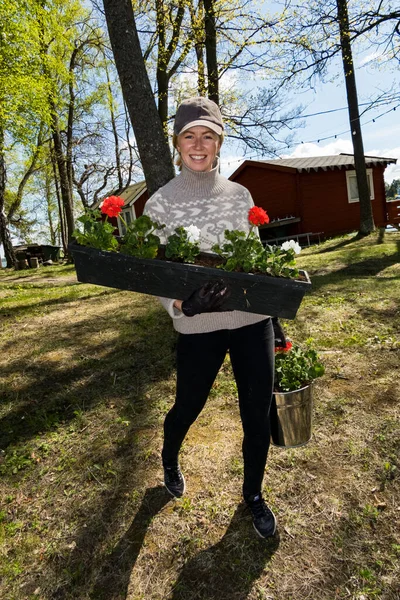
(241, 252)
(392, 189)
(96, 233)
(245, 252)
(278, 262)
(297, 367)
(179, 247)
(139, 239)
(16, 460)
(21, 83)
(36, 39)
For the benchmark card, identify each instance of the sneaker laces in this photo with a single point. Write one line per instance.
(174, 474)
(259, 508)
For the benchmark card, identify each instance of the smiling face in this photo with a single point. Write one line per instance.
(198, 147)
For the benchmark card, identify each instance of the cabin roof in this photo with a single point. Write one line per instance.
(315, 163)
(129, 195)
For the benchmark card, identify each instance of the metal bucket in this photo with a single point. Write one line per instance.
(291, 417)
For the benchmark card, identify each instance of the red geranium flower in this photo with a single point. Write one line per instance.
(286, 348)
(258, 216)
(112, 206)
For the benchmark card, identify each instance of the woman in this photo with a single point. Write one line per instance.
(199, 195)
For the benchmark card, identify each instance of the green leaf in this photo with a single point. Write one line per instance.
(140, 239)
(297, 367)
(179, 248)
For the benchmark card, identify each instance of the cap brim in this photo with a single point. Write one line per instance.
(204, 123)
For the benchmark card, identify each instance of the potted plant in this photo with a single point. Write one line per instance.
(296, 367)
(141, 264)
(98, 233)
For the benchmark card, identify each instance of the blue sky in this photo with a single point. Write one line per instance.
(381, 138)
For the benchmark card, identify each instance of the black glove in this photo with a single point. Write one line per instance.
(280, 338)
(209, 298)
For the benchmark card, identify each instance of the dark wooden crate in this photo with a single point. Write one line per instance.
(260, 294)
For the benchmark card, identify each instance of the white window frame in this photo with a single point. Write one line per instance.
(352, 174)
(130, 210)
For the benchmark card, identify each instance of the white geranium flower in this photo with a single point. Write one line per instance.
(193, 233)
(291, 245)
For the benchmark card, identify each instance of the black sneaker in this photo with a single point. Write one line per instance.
(174, 481)
(264, 521)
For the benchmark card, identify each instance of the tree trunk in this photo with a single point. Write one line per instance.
(366, 216)
(197, 22)
(211, 50)
(162, 90)
(153, 148)
(70, 121)
(5, 237)
(162, 65)
(60, 209)
(47, 177)
(62, 162)
(27, 175)
(114, 129)
(201, 77)
(66, 192)
(130, 149)
(59, 203)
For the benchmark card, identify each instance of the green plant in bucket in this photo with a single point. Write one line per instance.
(296, 366)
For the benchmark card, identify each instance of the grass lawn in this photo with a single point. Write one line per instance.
(87, 376)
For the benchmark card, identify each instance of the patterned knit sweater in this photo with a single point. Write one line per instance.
(212, 203)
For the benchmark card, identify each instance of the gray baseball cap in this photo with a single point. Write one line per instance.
(198, 111)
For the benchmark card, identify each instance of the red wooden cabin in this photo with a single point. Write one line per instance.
(315, 196)
(394, 212)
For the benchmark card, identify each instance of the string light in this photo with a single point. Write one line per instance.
(334, 136)
(332, 110)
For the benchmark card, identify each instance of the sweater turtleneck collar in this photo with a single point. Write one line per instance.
(200, 183)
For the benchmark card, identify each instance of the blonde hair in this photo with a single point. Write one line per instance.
(178, 160)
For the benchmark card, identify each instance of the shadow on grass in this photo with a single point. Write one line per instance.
(15, 312)
(91, 566)
(138, 355)
(229, 568)
(386, 314)
(339, 245)
(369, 267)
(51, 391)
(226, 570)
(113, 581)
(372, 240)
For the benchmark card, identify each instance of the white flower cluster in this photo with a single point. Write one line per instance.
(291, 245)
(193, 233)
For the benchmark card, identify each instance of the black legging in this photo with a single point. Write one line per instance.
(199, 358)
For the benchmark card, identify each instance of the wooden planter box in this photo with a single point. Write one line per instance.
(261, 294)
